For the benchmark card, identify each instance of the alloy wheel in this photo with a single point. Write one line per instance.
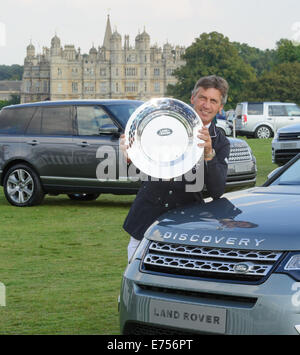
(20, 186)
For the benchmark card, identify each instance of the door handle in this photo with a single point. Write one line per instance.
(33, 142)
(83, 144)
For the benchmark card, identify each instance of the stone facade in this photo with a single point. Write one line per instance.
(8, 88)
(113, 71)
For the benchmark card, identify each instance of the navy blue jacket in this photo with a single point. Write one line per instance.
(156, 197)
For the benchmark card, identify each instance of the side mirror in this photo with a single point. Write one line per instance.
(109, 129)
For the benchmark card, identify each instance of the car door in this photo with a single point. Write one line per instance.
(96, 148)
(279, 115)
(293, 113)
(49, 138)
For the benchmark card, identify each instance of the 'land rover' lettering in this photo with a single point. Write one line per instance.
(209, 239)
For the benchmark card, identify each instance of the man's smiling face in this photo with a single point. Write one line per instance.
(207, 103)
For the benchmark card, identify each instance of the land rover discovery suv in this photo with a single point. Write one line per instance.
(228, 266)
(263, 119)
(54, 147)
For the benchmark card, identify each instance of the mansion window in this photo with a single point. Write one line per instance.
(130, 71)
(28, 86)
(46, 86)
(157, 87)
(103, 88)
(156, 72)
(74, 87)
(131, 87)
(89, 87)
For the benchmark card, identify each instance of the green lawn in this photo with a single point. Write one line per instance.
(62, 261)
(263, 153)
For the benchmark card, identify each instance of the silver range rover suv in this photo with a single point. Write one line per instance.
(229, 266)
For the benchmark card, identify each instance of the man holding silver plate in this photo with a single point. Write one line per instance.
(165, 138)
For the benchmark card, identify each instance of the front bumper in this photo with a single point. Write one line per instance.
(269, 308)
(283, 151)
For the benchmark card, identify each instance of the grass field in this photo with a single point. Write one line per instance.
(62, 261)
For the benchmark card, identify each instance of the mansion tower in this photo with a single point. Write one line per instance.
(113, 71)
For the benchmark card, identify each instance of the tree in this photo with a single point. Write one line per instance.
(282, 83)
(15, 99)
(11, 72)
(260, 60)
(212, 53)
(287, 51)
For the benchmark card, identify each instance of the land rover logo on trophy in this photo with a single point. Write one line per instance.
(242, 268)
(164, 132)
(162, 138)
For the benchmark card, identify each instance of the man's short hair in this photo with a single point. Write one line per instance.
(213, 82)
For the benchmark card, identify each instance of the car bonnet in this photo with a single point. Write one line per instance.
(265, 218)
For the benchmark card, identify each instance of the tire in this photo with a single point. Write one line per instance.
(263, 132)
(83, 197)
(22, 186)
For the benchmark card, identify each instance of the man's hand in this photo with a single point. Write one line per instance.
(124, 147)
(204, 135)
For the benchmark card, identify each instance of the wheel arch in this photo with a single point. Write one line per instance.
(260, 124)
(15, 162)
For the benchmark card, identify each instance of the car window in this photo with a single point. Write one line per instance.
(56, 121)
(291, 176)
(14, 121)
(123, 111)
(91, 120)
(238, 110)
(34, 127)
(277, 110)
(293, 110)
(255, 108)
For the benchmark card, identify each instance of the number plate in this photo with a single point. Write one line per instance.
(288, 145)
(188, 316)
(243, 167)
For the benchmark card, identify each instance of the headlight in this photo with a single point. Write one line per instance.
(293, 263)
(140, 250)
(290, 265)
(276, 136)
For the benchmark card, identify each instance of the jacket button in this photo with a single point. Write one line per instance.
(170, 192)
(166, 205)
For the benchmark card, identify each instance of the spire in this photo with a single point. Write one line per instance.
(108, 33)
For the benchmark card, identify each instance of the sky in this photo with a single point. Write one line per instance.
(259, 23)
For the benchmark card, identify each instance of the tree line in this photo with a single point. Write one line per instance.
(11, 72)
(253, 74)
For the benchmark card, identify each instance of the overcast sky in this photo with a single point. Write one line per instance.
(259, 23)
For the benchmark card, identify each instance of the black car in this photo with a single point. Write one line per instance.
(55, 147)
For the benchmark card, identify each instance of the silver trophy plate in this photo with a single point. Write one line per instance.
(162, 138)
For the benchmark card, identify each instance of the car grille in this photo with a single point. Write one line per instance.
(240, 153)
(209, 262)
(289, 136)
(135, 328)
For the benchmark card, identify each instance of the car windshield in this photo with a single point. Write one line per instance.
(122, 111)
(291, 176)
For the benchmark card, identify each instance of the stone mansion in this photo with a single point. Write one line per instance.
(113, 71)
